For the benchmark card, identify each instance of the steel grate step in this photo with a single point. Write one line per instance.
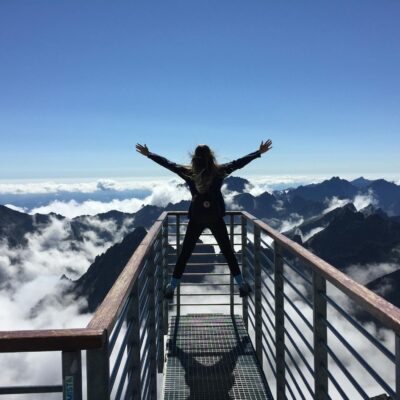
(210, 356)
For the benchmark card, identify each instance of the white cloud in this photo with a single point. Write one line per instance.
(360, 201)
(165, 193)
(161, 194)
(277, 182)
(290, 223)
(31, 274)
(335, 202)
(15, 208)
(363, 200)
(229, 198)
(369, 272)
(72, 208)
(43, 187)
(311, 233)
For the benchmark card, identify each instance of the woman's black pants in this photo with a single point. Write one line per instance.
(193, 232)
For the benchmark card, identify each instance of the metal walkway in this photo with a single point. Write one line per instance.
(210, 356)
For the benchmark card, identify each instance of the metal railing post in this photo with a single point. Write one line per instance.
(160, 305)
(279, 324)
(165, 273)
(231, 287)
(152, 326)
(320, 337)
(257, 293)
(133, 390)
(178, 250)
(98, 373)
(245, 311)
(72, 375)
(397, 367)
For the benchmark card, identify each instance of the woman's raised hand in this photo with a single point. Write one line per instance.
(264, 147)
(142, 149)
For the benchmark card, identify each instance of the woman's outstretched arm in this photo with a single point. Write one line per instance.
(241, 162)
(177, 168)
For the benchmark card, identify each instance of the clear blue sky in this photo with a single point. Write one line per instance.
(82, 81)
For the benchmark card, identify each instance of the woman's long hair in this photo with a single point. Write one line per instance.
(204, 167)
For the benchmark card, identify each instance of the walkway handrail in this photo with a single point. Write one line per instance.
(282, 262)
(51, 340)
(109, 310)
(385, 312)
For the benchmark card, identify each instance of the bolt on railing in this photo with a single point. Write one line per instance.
(291, 322)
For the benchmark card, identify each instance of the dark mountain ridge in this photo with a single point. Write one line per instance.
(354, 238)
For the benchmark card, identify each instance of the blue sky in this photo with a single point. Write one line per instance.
(81, 82)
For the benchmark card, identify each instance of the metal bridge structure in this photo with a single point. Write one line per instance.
(306, 331)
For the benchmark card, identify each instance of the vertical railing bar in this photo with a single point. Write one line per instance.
(245, 313)
(279, 323)
(72, 375)
(151, 328)
(98, 373)
(231, 287)
(320, 337)
(165, 274)
(178, 249)
(133, 346)
(257, 293)
(397, 351)
(160, 332)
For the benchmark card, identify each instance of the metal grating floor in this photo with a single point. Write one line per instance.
(210, 356)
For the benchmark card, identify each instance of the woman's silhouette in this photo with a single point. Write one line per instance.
(204, 177)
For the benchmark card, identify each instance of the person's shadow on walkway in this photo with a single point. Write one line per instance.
(211, 382)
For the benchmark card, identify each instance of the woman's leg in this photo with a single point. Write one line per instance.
(193, 232)
(220, 232)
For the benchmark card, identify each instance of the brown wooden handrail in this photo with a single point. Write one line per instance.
(51, 340)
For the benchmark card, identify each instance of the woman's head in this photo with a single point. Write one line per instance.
(204, 167)
(203, 157)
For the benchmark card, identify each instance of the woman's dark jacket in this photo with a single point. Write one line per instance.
(216, 184)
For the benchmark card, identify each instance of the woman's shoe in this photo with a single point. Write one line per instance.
(169, 292)
(244, 289)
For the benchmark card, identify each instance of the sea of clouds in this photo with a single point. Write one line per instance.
(29, 273)
(90, 198)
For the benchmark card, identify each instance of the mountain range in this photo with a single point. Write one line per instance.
(342, 235)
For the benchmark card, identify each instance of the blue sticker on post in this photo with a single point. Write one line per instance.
(69, 387)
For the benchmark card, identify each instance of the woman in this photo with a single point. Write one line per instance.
(205, 177)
